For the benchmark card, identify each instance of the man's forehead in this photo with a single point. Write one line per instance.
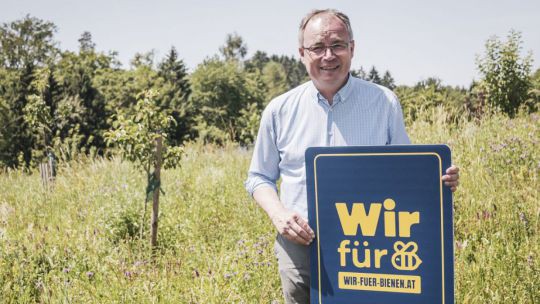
(324, 27)
(331, 35)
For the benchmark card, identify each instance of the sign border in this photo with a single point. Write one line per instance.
(377, 154)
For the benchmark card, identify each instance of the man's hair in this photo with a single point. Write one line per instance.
(341, 16)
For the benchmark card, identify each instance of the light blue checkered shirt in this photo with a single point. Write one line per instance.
(362, 113)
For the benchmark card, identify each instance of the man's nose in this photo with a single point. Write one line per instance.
(328, 53)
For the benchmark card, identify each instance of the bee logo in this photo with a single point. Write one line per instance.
(405, 257)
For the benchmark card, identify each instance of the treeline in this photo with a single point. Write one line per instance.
(55, 102)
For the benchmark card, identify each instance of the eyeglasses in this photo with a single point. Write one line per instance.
(319, 50)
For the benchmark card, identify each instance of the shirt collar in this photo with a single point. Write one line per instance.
(341, 96)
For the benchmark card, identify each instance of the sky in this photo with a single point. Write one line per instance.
(413, 39)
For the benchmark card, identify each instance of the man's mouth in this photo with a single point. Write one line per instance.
(329, 68)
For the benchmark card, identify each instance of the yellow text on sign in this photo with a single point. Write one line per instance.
(368, 221)
(379, 282)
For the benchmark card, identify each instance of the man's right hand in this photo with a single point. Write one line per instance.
(289, 224)
(292, 226)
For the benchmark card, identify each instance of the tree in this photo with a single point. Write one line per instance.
(39, 112)
(85, 42)
(234, 48)
(388, 81)
(505, 74)
(76, 74)
(431, 93)
(359, 73)
(141, 137)
(534, 91)
(257, 61)
(220, 90)
(25, 45)
(294, 68)
(275, 79)
(174, 94)
(373, 75)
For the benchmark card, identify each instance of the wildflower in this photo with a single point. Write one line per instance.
(523, 218)
(230, 275)
(461, 245)
(39, 284)
(139, 263)
(484, 215)
(89, 274)
(66, 270)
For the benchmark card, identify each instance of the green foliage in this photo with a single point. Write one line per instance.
(388, 81)
(274, 77)
(27, 43)
(373, 75)
(429, 94)
(69, 246)
(234, 48)
(135, 132)
(248, 123)
(38, 114)
(294, 69)
(505, 80)
(359, 73)
(220, 90)
(534, 91)
(174, 95)
(74, 245)
(496, 215)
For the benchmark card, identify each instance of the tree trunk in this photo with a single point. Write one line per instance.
(155, 204)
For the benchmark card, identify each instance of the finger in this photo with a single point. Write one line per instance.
(291, 235)
(452, 185)
(294, 223)
(301, 233)
(304, 224)
(452, 170)
(450, 177)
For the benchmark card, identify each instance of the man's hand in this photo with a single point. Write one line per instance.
(293, 227)
(451, 179)
(289, 224)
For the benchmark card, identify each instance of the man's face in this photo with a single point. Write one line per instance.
(330, 70)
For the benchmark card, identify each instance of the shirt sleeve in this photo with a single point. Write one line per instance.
(396, 129)
(264, 167)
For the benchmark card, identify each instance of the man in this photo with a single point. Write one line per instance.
(333, 109)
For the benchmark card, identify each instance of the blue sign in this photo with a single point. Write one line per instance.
(383, 224)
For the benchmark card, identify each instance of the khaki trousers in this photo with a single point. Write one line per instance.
(294, 270)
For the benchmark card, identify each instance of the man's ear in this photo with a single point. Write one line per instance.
(301, 52)
(352, 48)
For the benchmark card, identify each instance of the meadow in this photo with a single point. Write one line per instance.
(79, 242)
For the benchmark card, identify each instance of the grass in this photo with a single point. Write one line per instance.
(79, 243)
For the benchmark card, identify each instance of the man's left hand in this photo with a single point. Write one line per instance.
(451, 178)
